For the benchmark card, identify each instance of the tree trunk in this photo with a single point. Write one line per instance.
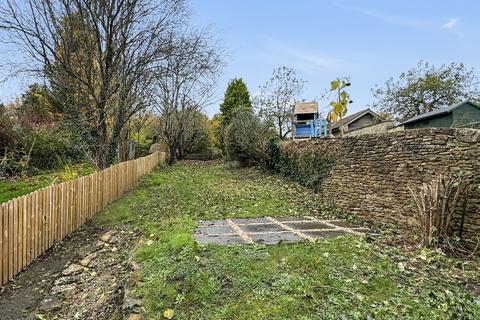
(112, 156)
(102, 137)
(113, 146)
(173, 155)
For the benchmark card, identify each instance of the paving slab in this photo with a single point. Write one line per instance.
(241, 221)
(213, 223)
(309, 225)
(327, 234)
(273, 238)
(219, 239)
(214, 230)
(286, 219)
(268, 230)
(267, 227)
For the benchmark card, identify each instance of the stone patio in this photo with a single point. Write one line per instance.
(270, 230)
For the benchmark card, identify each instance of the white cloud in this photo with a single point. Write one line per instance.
(451, 23)
(307, 59)
(311, 61)
(386, 17)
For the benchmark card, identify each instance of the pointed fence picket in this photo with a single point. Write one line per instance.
(33, 223)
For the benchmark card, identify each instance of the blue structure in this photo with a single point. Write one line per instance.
(306, 122)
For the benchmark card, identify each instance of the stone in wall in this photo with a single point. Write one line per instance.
(372, 173)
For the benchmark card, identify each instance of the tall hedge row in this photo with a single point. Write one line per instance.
(308, 166)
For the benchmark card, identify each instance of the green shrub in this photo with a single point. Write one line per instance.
(246, 138)
(12, 139)
(307, 165)
(50, 149)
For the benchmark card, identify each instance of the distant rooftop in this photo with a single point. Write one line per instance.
(438, 112)
(354, 116)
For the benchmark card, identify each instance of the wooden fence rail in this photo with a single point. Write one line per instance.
(32, 223)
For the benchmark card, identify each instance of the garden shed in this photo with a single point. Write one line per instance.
(465, 114)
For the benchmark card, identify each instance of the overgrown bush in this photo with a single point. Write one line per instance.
(49, 149)
(435, 207)
(34, 136)
(246, 138)
(26, 149)
(12, 138)
(306, 165)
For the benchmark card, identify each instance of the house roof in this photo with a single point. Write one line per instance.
(353, 117)
(438, 112)
(305, 107)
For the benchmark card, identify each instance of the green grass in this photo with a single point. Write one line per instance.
(343, 278)
(17, 187)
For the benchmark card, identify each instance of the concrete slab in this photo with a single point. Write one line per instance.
(241, 221)
(287, 219)
(326, 234)
(212, 223)
(271, 230)
(214, 230)
(310, 225)
(267, 227)
(273, 238)
(221, 239)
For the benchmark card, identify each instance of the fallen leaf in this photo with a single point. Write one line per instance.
(169, 313)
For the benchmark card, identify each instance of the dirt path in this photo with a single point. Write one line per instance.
(84, 277)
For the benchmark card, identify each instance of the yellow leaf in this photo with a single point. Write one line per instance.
(338, 109)
(332, 116)
(169, 313)
(334, 84)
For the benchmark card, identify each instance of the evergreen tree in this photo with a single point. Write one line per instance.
(236, 96)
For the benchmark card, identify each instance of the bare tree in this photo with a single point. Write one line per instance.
(185, 85)
(101, 54)
(277, 97)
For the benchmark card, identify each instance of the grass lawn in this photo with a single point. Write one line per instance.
(10, 189)
(342, 278)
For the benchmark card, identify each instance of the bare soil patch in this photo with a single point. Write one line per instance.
(83, 277)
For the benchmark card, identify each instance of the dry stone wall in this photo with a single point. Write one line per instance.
(372, 173)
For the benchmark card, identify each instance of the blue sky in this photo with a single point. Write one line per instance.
(369, 41)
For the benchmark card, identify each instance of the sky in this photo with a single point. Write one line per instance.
(367, 41)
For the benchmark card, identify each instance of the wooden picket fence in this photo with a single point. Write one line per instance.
(33, 223)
